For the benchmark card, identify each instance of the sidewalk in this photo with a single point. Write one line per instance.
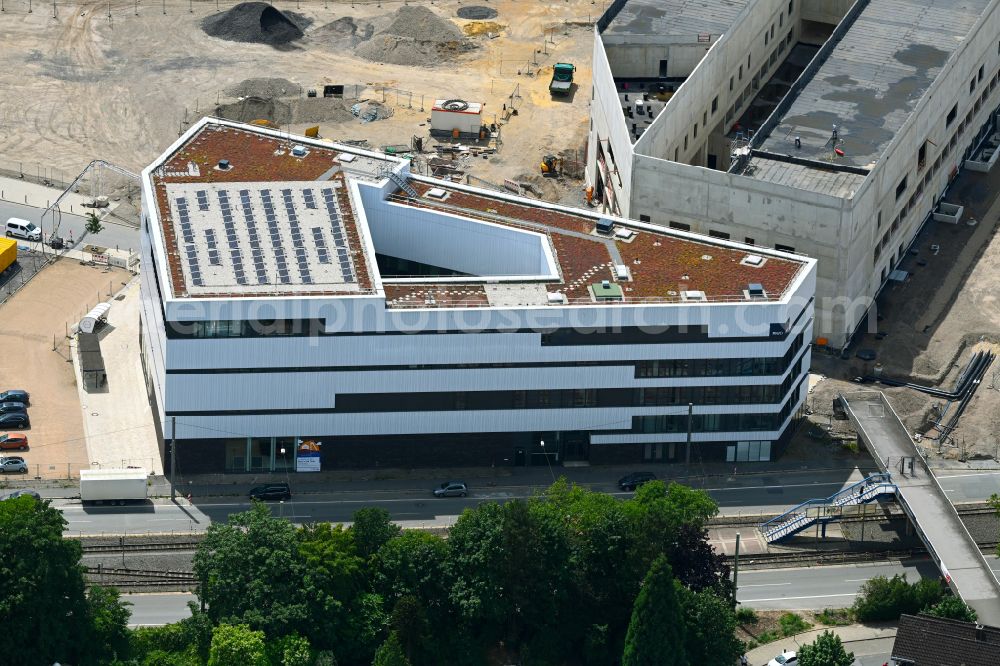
(850, 634)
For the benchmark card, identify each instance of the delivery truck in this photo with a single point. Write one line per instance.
(113, 486)
(8, 253)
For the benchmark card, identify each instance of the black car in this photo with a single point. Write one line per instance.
(272, 491)
(635, 479)
(10, 407)
(15, 395)
(14, 421)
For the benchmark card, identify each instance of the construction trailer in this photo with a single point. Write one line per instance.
(457, 118)
(113, 486)
(8, 253)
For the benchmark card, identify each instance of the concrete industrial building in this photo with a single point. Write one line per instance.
(306, 304)
(823, 127)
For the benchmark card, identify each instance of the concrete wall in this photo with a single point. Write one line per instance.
(640, 56)
(825, 11)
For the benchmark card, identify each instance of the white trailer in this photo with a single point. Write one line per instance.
(113, 486)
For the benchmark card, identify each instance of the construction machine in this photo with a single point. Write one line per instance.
(551, 165)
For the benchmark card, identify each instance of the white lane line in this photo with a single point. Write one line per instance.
(818, 596)
(857, 580)
(962, 476)
(764, 585)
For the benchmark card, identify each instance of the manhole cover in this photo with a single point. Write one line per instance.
(95, 414)
(477, 13)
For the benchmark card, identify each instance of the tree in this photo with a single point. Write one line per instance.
(826, 650)
(290, 650)
(709, 628)
(108, 619)
(43, 603)
(390, 653)
(409, 622)
(656, 633)
(951, 608)
(237, 645)
(882, 599)
(93, 225)
(372, 529)
(250, 572)
(696, 564)
(335, 578)
(415, 563)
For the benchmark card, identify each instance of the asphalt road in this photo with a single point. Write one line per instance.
(157, 609)
(113, 235)
(816, 588)
(417, 508)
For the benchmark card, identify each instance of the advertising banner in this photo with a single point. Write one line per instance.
(308, 458)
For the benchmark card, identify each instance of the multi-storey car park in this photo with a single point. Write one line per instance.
(829, 128)
(299, 291)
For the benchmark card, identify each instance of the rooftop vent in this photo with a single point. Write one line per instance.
(299, 150)
(755, 290)
(621, 272)
(346, 158)
(693, 295)
(605, 226)
(436, 193)
(624, 234)
(224, 165)
(556, 298)
(753, 260)
(606, 291)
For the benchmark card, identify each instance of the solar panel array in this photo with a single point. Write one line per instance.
(337, 229)
(213, 248)
(321, 251)
(185, 219)
(193, 268)
(272, 225)
(202, 199)
(307, 196)
(256, 252)
(232, 238)
(300, 248)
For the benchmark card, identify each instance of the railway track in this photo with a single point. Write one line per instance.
(138, 547)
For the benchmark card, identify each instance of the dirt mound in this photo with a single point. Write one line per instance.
(254, 22)
(344, 33)
(477, 13)
(415, 36)
(264, 87)
(256, 108)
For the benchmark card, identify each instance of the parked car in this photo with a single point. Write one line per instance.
(13, 441)
(632, 481)
(15, 395)
(15, 420)
(272, 491)
(22, 493)
(13, 465)
(784, 659)
(9, 407)
(452, 489)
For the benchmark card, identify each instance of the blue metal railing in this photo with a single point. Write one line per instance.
(798, 518)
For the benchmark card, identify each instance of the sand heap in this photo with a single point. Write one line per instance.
(415, 36)
(254, 22)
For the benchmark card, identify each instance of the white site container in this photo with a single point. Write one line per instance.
(114, 486)
(466, 120)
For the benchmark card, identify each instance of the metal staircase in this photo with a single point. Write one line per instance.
(823, 511)
(403, 184)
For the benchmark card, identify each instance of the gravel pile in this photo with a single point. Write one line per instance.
(263, 87)
(477, 13)
(344, 33)
(415, 36)
(256, 108)
(253, 22)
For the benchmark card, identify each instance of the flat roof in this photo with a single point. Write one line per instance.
(823, 181)
(280, 224)
(870, 83)
(675, 18)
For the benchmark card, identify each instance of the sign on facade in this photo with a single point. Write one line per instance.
(308, 458)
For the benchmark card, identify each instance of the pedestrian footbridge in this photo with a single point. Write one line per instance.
(925, 502)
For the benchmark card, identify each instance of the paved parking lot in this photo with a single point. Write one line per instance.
(30, 321)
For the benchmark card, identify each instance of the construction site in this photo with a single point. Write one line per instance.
(103, 80)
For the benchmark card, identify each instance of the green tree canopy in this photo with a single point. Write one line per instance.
(250, 572)
(709, 628)
(237, 645)
(952, 608)
(108, 619)
(43, 608)
(826, 650)
(656, 634)
(883, 599)
(390, 653)
(415, 563)
(372, 529)
(335, 578)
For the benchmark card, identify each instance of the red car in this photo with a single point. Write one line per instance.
(13, 442)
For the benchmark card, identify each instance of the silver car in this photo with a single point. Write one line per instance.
(451, 489)
(13, 465)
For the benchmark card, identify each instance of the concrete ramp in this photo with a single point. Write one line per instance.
(925, 502)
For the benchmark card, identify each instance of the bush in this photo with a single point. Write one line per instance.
(951, 608)
(746, 615)
(792, 624)
(835, 617)
(884, 599)
(826, 650)
(768, 637)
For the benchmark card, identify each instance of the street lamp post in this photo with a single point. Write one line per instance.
(736, 569)
(551, 473)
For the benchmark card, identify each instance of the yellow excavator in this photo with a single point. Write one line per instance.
(551, 166)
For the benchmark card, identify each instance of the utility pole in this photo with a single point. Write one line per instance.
(736, 569)
(173, 457)
(687, 449)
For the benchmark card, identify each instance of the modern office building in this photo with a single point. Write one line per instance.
(829, 128)
(307, 304)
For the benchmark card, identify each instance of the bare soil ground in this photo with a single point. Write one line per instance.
(932, 323)
(82, 85)
(29, 322)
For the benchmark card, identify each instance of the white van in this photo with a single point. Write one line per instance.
(19, 228)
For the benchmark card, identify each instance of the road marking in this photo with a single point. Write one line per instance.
(857, 580)
(817, 596)
(764, 585)
(962, 476)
